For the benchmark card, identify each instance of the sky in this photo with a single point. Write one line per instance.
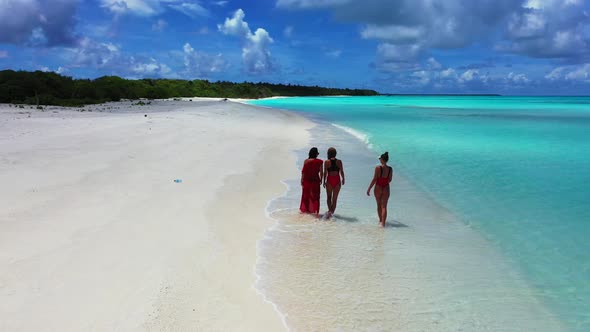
(513, 47)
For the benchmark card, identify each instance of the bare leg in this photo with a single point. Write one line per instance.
(378, 193)
(329, 193)
(335, 193)
(384, 199)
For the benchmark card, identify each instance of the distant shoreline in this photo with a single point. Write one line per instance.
(443, 94)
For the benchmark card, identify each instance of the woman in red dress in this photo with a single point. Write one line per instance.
(311, 181)
(381, 179)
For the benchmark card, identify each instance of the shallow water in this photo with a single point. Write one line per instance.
(515, 169)
(423, 272)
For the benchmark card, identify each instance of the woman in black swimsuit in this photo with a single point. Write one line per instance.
(333, 173)
(381, 179)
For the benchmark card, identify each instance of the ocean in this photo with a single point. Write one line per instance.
(489, 217)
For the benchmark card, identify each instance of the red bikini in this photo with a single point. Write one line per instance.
(333, 180)
(384, 181)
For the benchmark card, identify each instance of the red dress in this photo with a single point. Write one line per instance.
(310, 195)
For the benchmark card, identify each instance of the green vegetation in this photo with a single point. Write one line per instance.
(47, 88)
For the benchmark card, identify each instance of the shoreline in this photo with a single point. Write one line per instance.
(93, 223)
(422, 230)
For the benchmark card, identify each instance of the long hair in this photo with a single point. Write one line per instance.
(313, 153)
(331, 153)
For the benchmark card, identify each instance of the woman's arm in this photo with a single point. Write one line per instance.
(322, 180)
(325, 173)
(341, 171)
(372, 182)
(390, 173)
(303, 171)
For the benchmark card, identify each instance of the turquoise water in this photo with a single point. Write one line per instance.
(516, 169)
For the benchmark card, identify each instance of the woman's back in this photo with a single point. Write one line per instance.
(311, 169)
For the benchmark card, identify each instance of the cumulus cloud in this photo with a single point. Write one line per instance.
(305, 4)
(153, 7)
(536, 28)
(90, 53)
(393, 57)
(479, 65)
(431, 63)
(517, 78)
(59, 70)
(409, 29)
(449, 73)
(256, 56)
(579, 73)
(108, 57)
(190, 9)
(235, 26)
(199, 64)
(469, 75)
(37, 22)
(549, 29)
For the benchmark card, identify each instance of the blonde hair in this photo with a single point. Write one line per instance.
(331, 153)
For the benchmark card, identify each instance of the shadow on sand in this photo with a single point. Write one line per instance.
(395, 224)
(347, 219)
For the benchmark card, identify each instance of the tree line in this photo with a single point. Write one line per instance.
(49, 88)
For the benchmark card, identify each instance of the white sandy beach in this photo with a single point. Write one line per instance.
(96, 235)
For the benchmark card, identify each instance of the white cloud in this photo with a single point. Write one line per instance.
(90, 53)
(108, 57)
(549, 29)
(59, 70)
(38, 23)
(556, 74)
(334, 53)
(139, 7)
(153, 7)
(160, 25)
(579, 73)
(288, 32)
(469, 75)
(303, 4)
(535, 28)
(422, 76)
(517, 78)
(449, 73)
(190, 9)
(200, 65)
(235, 26)
(433, 64)
(3, 54)
(255, 53)
(392, 33)
(149, 68)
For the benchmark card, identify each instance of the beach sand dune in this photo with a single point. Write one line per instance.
(95, 234)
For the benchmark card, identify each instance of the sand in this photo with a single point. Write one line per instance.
(95, 234)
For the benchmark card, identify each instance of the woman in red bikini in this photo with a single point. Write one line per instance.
(311, 180)
(381, 180)
(333, 172)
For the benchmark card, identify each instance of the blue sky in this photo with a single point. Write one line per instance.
(393, 46)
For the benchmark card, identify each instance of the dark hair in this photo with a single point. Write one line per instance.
(331, 153)
(313, 153)
(385, 157)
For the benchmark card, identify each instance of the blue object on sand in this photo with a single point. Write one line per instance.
(178, 180)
